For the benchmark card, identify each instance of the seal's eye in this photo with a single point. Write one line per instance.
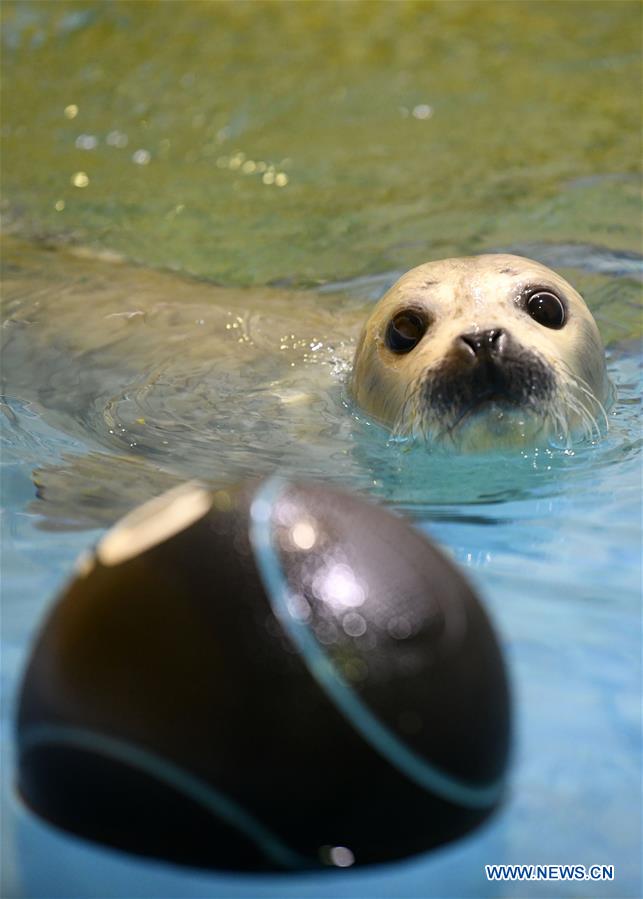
(405, 330)
(546, 308)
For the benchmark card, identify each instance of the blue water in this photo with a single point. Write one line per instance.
(558, 565)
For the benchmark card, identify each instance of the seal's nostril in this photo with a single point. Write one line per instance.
(483, 342)
(470, 341)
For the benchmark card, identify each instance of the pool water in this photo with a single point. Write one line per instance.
(401, 132)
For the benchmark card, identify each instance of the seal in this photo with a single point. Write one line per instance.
(481, 352)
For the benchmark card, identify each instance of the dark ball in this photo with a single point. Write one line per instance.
(278, 675)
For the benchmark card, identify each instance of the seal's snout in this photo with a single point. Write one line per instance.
(483, 361)
(483, 343)
(486, 371)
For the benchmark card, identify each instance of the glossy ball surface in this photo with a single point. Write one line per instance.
(276, 676)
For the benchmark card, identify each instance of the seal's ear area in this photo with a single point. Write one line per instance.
(364, 380)
(590, 362)
(373, 386)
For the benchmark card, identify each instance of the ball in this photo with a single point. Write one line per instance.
(277, 675)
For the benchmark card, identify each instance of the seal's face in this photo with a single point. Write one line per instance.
(483, 351)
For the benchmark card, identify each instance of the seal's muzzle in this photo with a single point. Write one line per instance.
(487, 368)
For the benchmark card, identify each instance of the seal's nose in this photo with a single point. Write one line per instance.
(483, 343)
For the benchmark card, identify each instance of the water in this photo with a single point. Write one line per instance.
(409, 133)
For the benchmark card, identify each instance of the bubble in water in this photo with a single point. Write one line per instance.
(141, 157)
(422, 111)
(80, 179)
(86, 142)
(117, 139)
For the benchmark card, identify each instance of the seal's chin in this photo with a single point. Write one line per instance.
(487, 402)
(495, 406)
(490, 424)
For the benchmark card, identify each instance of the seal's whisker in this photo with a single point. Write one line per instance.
(404, 411)
(574, 406)
(583, 387)
(560, 424)
(569, 407)
(406, 421)
(601, 408)
(588, 423)
(586, 417)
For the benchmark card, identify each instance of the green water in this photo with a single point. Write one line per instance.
(303, 141)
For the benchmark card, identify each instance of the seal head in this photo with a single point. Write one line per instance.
(480, 352)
